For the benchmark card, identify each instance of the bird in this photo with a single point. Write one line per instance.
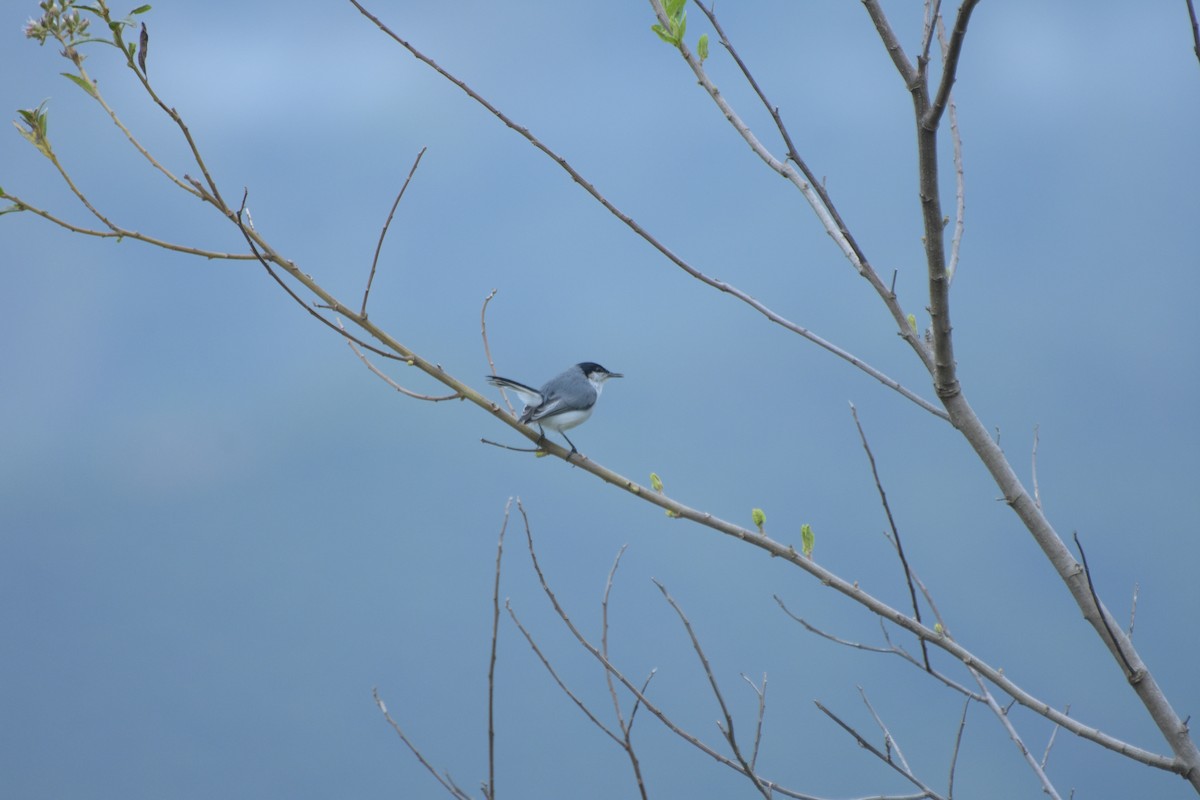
(564, 401)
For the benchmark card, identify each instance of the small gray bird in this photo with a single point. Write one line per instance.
(564, 401)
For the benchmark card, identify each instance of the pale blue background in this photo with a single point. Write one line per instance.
(218, 531)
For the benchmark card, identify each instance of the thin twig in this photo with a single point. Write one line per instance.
(889, 741)
(386, 225)
(387, 379)
(762, 710)
(119, 233)
(1037, 491)
(626, 727)
(1195, 28)
(612, 688)
(792, 153)
(1133, 610)
(270, 271)
(541, 450)
(1130, 672)
(587, 712)
(487, 348)
(1001, 715)
(912, 593)
(875, 751)
(950, 59)
(960, 204)
(1050, 742)
(491, 730)
(826, 635)
(747, 770)
(933, 15)
(446, 782)
(958, 737)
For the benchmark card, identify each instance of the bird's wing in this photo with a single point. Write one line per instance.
(531, 397)
(554, 406)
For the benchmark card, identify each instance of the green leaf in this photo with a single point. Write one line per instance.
(759, 518)
(656, 483)
(140, 10)
(80, 82)
(673, 7)
(702, 47)
(679, 27)
(807, 540)
(912, 322)
(38, 123)
(662, 33)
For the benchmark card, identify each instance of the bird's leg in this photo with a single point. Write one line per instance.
(564, 435)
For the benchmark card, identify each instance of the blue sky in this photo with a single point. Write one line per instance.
(219, 531)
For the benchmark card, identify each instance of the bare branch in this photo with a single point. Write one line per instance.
(875, 751)
(959, 179)
(626, 728)
(792, 153)
(487, 348)
(761, 692)
(730, 737)
(612, 688)
(912, 593)
(1050, 742)
(1133, 610)
(950, 64)
(933, 17)
(944, 367)
(889, 741)
(1037, 491)
(1130, 672)
(386, 225)
(350, 341)
(587, 712)
(1001, 714)
(1001, 680)
(119, 233)
(491, 730)
(892, 43)
(250, 240)
(1195, 28)
(446, 782)
(958, 737)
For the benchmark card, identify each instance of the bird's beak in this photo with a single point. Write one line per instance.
(615, 375)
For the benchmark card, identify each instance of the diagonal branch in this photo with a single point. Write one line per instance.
(386, 225)
(887, 509)
(882, 756)
(445, 780)
(1001, 714)
(1195, 27)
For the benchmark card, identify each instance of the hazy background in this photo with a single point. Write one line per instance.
(219, 531)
